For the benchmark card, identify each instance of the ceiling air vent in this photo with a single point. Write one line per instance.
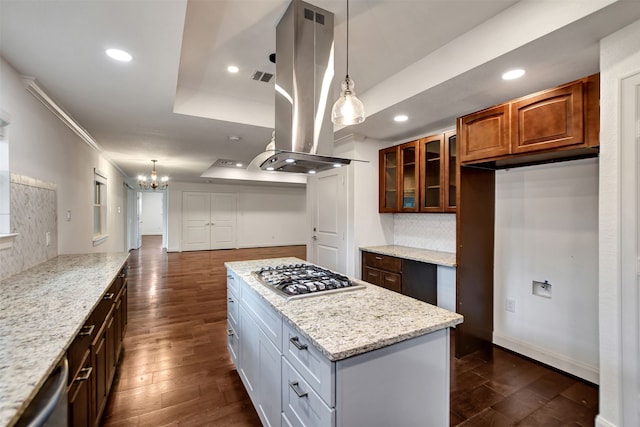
(262, 76)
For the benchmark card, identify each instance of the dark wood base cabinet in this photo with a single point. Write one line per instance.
(416, 279)
(94, 355)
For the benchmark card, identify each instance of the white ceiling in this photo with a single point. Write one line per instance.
(175, 102)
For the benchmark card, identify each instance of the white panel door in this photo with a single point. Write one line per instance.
(223, 221)
(196, 212)
(328, 200)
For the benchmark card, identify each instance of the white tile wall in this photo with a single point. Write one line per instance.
(33, 214)
(425, 231)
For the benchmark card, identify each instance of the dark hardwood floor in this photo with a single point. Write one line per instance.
(175, 370)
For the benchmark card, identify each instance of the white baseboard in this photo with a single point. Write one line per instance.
(601, 422)
(559, 361)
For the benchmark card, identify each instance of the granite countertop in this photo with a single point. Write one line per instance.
(346, 324)
(423, 255)
(41, 311)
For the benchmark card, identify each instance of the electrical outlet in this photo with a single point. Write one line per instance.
(510, 305)
(47, 238)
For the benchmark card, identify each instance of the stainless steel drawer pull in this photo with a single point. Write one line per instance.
(230, 300)
(229, 276)
(379, 258)
(230, 332)
(296, 341)
(109, 296)
(295, 386)
(86, 330)
(85, 374)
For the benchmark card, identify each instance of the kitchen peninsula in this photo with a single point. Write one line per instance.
(44, 310)
(366, 356)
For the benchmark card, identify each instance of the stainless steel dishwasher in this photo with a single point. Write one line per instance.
(49, 407)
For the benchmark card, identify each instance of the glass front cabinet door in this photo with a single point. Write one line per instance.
(388, 186)
(409, 177)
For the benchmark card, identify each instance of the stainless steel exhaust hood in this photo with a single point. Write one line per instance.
(304, 91)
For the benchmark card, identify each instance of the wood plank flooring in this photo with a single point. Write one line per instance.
(175, 370)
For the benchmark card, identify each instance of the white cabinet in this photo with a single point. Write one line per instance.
(209, 221)
(292, 383)
(258, 353)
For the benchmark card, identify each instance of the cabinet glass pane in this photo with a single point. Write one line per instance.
(452, 171)
(390, 190)
(409, 177)
(432, 156)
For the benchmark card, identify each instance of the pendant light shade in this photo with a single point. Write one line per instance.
(348, 109)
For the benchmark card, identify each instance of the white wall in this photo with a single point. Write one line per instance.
(619, 58)
(268, 215)
(366, 226)
(546, 228)
(43, 148)
(152, 213)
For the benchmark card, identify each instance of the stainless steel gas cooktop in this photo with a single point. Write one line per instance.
(303, 280)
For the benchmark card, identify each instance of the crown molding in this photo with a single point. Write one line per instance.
(39, 93)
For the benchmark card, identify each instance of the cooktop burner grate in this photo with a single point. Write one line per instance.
(302, 280)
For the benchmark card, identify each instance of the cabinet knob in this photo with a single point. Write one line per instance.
(230, 300)
(296, 342)
(230, 332)
(295, 386)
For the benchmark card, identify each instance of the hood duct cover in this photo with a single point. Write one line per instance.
(304, 88)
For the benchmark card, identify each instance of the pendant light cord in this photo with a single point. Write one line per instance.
(347, 38)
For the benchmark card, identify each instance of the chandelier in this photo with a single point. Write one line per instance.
(153, 184)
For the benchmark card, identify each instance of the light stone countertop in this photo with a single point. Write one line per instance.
(423, 255)
(41, 311)
(346, 324)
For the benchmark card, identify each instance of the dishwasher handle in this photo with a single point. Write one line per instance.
(50, 401)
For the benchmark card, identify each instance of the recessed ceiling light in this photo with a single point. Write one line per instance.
(119, 55)
(401, 118)
(513, 74)
(337, 165)
(290, 161)
(239, 165)
(270, 168)
(233, 69)
(312, 171)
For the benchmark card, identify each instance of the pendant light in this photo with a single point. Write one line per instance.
(348, 109)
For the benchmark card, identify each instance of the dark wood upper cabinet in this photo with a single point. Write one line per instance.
(485, 134)
(420, 174)
(409, 176)
(388, 196)
(554, 124)
(551, 119)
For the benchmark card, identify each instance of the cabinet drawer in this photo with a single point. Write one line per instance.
(79, 347)
(383, 262)
(300, 403)
(233, 343)
(372, 275)
(232, 283)
(232, 308)
(106, 304)
(313, 366)
(392, 281)
(265, 316)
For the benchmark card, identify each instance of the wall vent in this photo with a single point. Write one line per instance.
(262, 76)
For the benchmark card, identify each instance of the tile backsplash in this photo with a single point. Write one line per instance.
(33, 207)
(425, 231)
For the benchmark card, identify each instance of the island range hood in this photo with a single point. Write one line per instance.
(304, 92)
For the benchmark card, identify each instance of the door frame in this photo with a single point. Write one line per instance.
(629, 242)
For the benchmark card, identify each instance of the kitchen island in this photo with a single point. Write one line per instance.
(41, 312)
(360, 357)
